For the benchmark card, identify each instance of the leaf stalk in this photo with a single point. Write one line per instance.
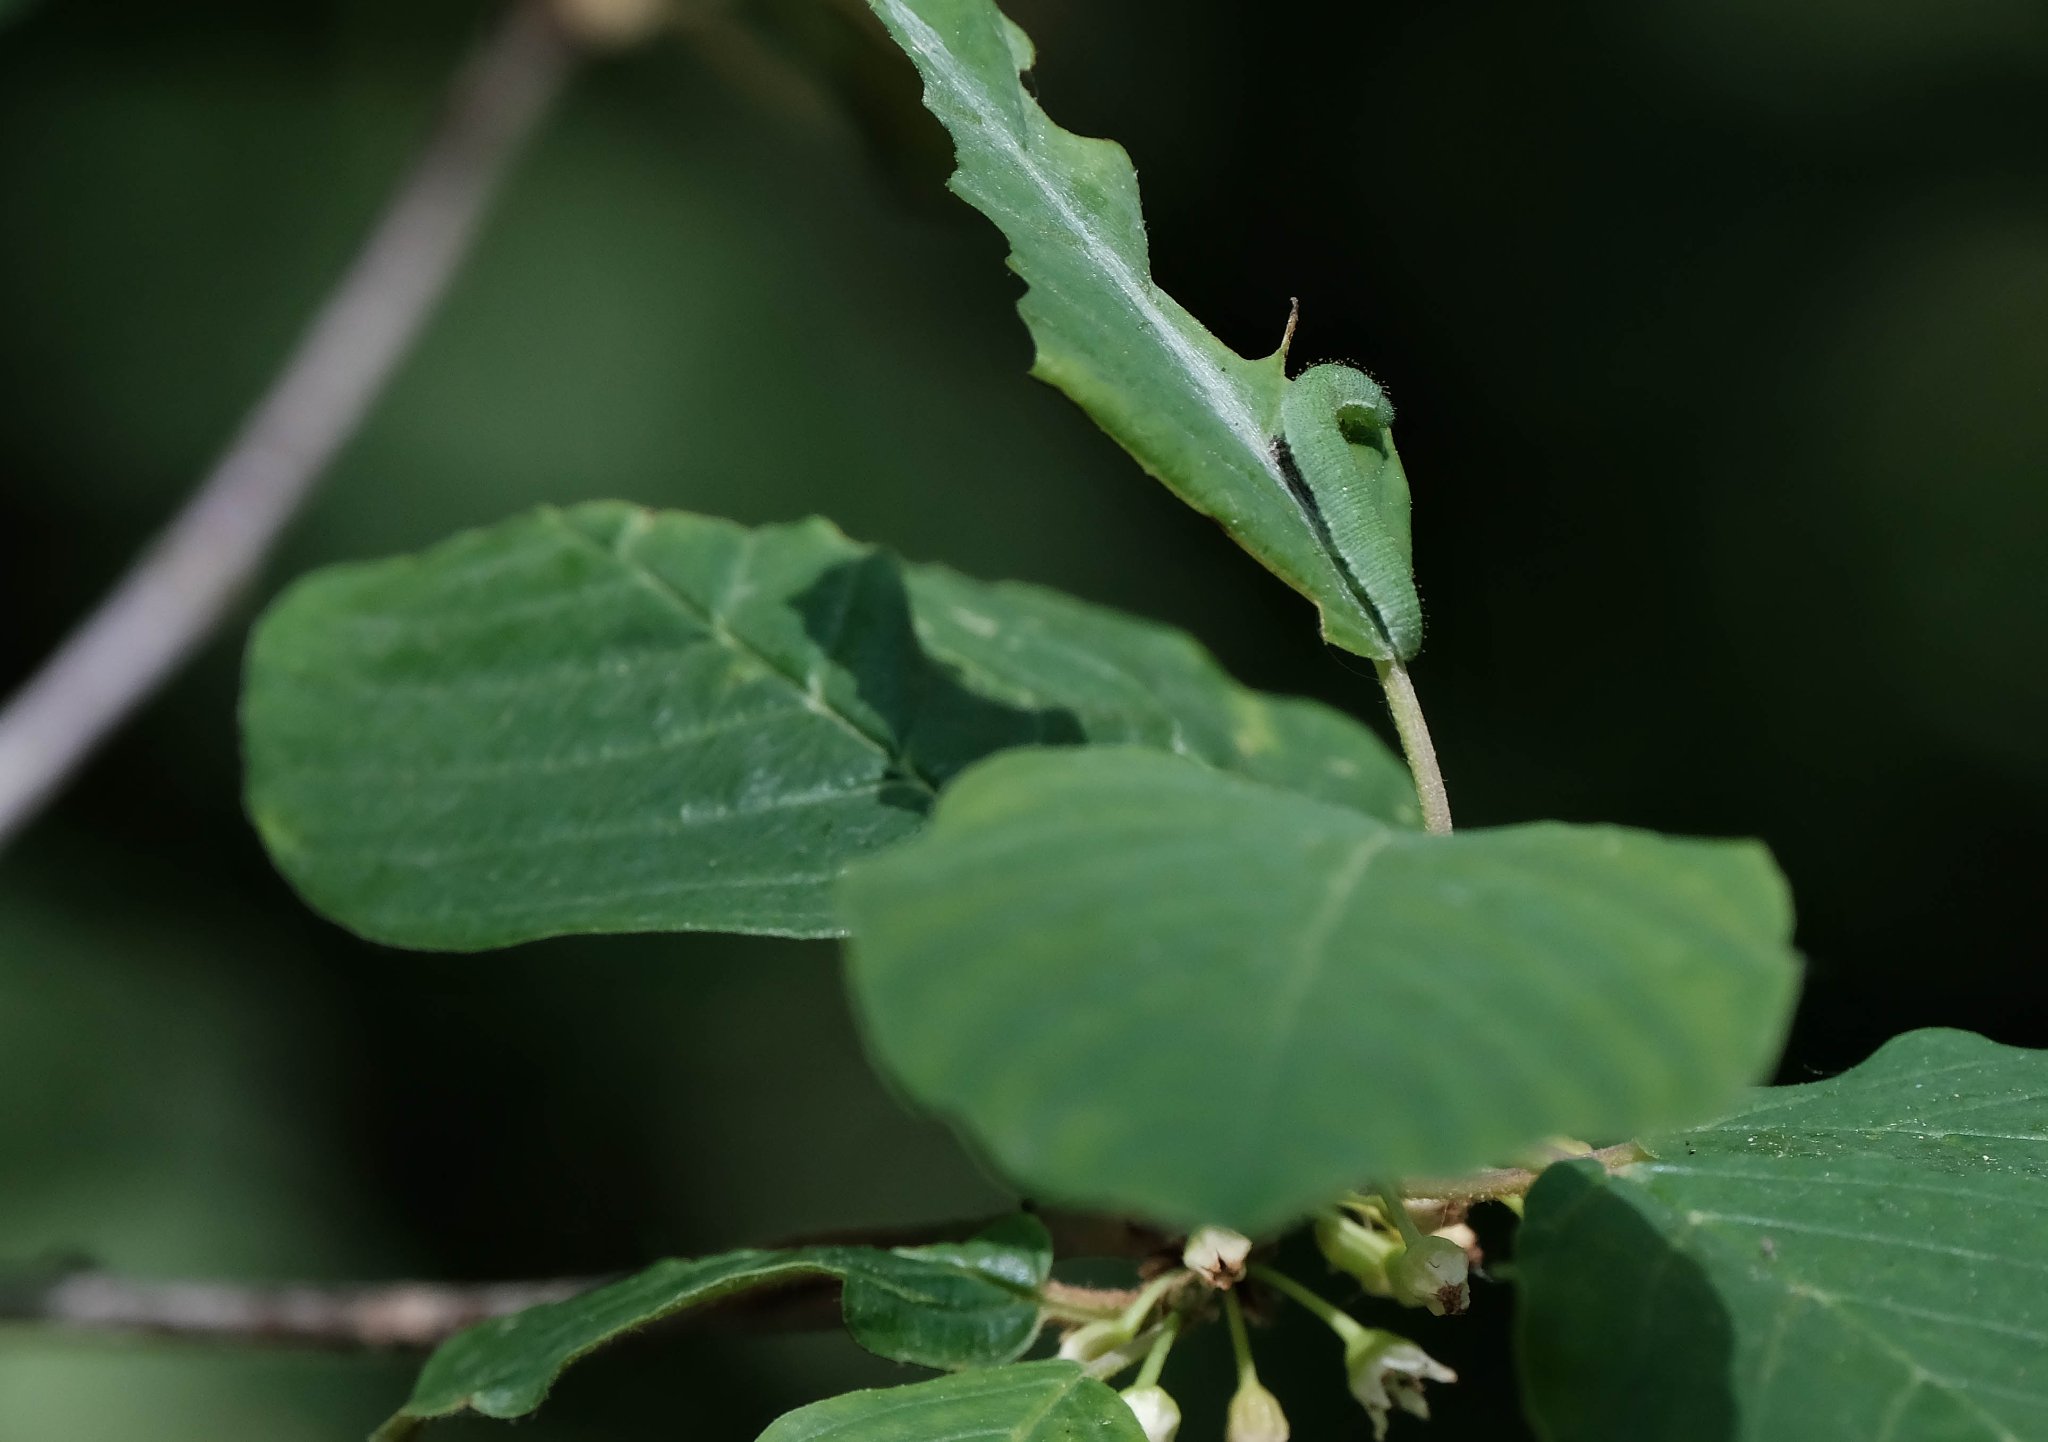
(1406, 707)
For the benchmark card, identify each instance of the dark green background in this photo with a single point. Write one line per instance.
(1720, 334)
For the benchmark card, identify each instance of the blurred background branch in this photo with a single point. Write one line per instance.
(178, 590)
(346, 1316)
(388, 1314)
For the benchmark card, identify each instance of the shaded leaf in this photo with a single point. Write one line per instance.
(950, 1304)
(1193, 412)
(960, 1304)
(606, 719)
(1143, 984)
(1855, 1260)
(1030, 1402)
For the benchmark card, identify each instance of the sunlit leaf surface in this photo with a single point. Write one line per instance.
(1142, 983)
(608, 719)
(1194, 413)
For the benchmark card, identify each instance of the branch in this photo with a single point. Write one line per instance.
(179, 589)
(425, 1314)
(393, 1314)
(1513, 1181)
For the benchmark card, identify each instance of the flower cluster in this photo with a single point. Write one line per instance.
(1385, 1372)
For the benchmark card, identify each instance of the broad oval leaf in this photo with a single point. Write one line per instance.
(1863, 1259)
(1030, 1402)
(607, 719)
(1194, 413)
(1145, 985)
(971, 1303)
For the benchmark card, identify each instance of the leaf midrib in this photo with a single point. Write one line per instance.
(720, 631)
(1223, 400)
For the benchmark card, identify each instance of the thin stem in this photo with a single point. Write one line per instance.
(1148, 1298)
(1240, 1344)
(181, 587)
(1415, 743)
(1067, 1312)
(1324, 1310)
(1390, 1200)
(1069, 1303)
(1155, 1360)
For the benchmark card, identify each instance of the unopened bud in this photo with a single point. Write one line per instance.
(1255, 1415)
(1158, 1414)
(1432, 1274)
(1104, 1349)
(1217, 1255)
(1386, 1371)
(1097, 1339)
(1358, 1250)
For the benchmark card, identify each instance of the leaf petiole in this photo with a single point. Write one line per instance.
(1416, 745)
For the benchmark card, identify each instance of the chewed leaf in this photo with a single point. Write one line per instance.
(1194, 413)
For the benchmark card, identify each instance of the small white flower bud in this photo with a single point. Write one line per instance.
(1096, 1339)
(1386, 1371)
(1157, 1413)
(1432, 1274)
(1255, 1415)
(1217, 1255)
(1358, 1251)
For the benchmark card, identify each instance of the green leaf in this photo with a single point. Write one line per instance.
(1863, 1259)
(957, 1304)
(950, 1304)
(1195, 414)
(1030, 1402)
(1146, 985)
(605, 719)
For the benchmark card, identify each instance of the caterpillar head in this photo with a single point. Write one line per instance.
(1357, 402)
(1366, 403)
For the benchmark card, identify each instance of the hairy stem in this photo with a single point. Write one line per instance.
(179, 589)
(1415, 742)
(1511, 1181)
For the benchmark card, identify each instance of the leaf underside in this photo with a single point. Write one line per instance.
(1147, 986)
(603, 719)
(1194, 413)
(951, 1305)
(1863, 1259)
(1030, 1402)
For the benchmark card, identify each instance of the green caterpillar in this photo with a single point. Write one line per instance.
(1337, 449)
